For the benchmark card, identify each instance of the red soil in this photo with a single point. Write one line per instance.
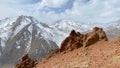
(102, 54)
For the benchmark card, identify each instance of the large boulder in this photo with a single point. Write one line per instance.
(91, 39)
(97, 34)
(101, 33)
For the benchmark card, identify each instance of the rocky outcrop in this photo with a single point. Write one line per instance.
(97, 34)
(26, 62)
(76, 39)
(73, 41)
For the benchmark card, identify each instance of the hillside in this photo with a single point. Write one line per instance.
(101, 54)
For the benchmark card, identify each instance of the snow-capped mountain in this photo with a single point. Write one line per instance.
(61, 29)
(23, 35)
(27, 35)
(67, 26)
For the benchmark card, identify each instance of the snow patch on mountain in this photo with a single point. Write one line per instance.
(5, 29)
(61, 29)
(55, 32)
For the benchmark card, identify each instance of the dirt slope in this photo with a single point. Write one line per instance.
(102, 54)
(91, 50)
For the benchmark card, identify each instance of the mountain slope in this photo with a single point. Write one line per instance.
(100, 54)
(24, 36)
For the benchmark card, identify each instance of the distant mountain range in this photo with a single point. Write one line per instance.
(27, 35)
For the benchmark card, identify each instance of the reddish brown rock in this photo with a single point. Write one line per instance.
(26, 62)
(76, 39)
(73, 41)
(101, 33)
(97, 34)
(76, 45)
(91, 39)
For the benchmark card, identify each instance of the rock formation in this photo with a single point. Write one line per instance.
(76, 39)
(26, 62)
(97, 34)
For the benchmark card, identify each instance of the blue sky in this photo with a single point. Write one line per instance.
(96, 11)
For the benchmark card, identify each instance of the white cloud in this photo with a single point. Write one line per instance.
(51, 3)
(94, 11)
(81, 10)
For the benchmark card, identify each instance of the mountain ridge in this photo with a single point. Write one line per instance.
(25, 33)
(24, 36)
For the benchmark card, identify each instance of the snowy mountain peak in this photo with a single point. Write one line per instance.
(65, 23)
(69, 25)
(24, 35)
(27, 19)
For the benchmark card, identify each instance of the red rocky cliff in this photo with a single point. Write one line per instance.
(76, 39)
